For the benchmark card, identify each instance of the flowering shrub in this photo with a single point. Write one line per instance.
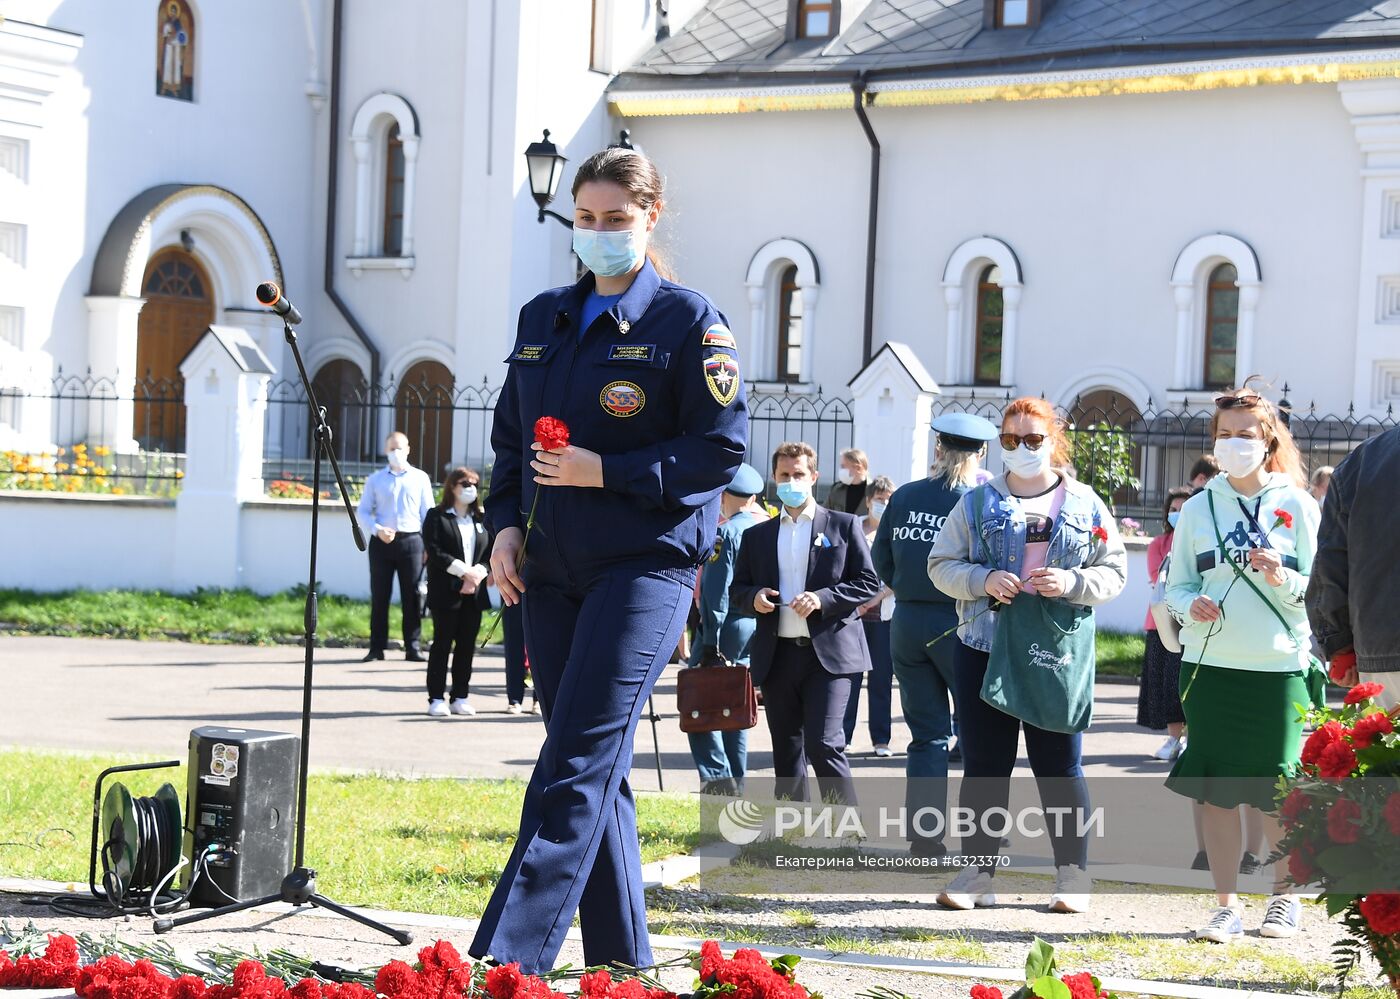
(1341, 819)
(1130, 527)
(95, 469)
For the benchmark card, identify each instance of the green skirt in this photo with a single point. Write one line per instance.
(1243, 733)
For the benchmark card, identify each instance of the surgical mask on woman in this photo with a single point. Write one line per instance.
(609, 253)
(466, 494)
(878, 508)
(1240, 456)
(794, 494)
(1027, 463)
(1172, 518)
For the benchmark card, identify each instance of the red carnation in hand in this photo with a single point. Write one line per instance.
(1362, 692)
(1344, 821)
(1342, 664)
(1337, 762)
(1100, 533)
(1326, 734)
(985, 992)
(551, 434)
(1367, 729)
(1283, 518)
(1081, 986)
(1294, 806)
(1382, 911)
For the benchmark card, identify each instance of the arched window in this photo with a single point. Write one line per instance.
(990, 307)
(384, 138)
(789, 337)
(175, 50)
(423, 410)
(340, 386)
(817, 18)
(1222, 326)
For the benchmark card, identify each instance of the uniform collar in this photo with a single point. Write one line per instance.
(627, 311)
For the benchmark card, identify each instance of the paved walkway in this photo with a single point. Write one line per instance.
(115, 695)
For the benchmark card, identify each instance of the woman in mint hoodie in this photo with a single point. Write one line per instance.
(1239, 571)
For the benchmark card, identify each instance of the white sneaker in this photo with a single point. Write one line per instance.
(1282, 917)
(437, 708)
(1167, 750)
(1073, 888)
(461, 707)
(970, 889)
(514, 708)
(883, 750)
(1224, 925)
(1180, 748)
(534, 707)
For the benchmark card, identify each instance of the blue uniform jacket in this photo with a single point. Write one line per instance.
(916, 513)
(730, 633)
(653, 385)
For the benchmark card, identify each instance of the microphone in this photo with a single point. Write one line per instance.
(271, 296)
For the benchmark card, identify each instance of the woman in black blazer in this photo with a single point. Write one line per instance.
(459, 552)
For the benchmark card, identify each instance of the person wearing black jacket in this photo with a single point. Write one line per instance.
(459, 549)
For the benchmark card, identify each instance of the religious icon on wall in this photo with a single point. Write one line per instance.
(175, 50)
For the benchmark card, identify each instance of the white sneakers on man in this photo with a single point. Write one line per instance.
(437, 708)
(969, 890)
(1073, 888)
(461, 707)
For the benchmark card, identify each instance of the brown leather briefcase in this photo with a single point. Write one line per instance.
(716, 699)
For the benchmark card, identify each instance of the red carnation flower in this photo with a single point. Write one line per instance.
(1365, 731)
(394, 979)
(1081, 986)
(711, 957)
(1283, 518)
(1294, 806)
(551, 433)
(307, 988)
(1342, 664)
(1325, 734)
(194, 987)
(1362, 692)
(1391, 813)
(1300, 868)
(1337, 762)
(985, 992)
(1100, 532)
(1344, 821)
(1382, 912)
(503, 981)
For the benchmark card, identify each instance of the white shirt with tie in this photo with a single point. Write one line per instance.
(794, 540)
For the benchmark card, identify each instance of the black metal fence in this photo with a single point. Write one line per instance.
(824, 422)
(1132, 458)
(100, 436)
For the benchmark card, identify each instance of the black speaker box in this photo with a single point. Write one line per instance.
(242, 796)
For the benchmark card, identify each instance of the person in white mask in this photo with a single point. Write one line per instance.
(1045, 549)
(395, 502)
(850, 492)
(459, 553)
(1239, 572)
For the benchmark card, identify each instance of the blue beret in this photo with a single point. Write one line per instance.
(746, 482)
(965, 431)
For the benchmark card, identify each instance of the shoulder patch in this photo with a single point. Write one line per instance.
(722, 377)
(718, 336)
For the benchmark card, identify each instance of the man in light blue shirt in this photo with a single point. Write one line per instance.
(395, 501)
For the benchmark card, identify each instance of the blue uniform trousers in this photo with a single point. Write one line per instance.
(926, 679)
(598, 644)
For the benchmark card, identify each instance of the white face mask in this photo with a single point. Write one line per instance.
(398, 457)
(1239, 456)
(845, 476)
(1027, 463)
(878, 508)
(466, 494)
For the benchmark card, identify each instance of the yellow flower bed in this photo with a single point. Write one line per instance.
(91, 469)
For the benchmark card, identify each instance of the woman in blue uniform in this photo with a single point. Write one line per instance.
(645, 374)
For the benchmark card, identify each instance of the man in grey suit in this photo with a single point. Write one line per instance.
(805, 574)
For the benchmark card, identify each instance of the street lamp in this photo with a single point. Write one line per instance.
(546, 165)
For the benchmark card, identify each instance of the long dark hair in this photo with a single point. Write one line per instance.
(638, 176)
(449, 490)
(1174, 494)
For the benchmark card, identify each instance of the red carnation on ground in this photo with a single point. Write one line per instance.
(1282, 518)
(1337, 762)
(1300, 868)
(1326, 734)
(1362, 692)
(1294, 806)
(394, 979)
(1382, 912)
(1100, 532)
(307, 988)
(1344, 821)
(985, 992)
(194, 987)
(1365, 731)
(1342, 664)
(1081, 986)
(551, 433)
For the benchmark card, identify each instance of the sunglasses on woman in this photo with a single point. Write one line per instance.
(1236, 401)
(1032, 441)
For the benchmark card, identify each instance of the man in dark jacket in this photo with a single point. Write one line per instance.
(1353, 592)
(806, 573)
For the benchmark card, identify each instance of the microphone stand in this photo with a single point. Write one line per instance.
(299, 886)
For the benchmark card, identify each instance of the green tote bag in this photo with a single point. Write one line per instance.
(1041, 668)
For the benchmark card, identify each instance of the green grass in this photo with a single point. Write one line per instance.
(208, 616)
(433, 846)
(1120, 654)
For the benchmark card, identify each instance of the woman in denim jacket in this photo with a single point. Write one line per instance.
(1037, 536)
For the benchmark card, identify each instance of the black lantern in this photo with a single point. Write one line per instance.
(546, 166)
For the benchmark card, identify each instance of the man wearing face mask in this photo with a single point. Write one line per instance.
(395, 503)
(806, 574)
(849, 494)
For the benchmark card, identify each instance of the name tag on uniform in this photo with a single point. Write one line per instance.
(632, 352)
(529, 352)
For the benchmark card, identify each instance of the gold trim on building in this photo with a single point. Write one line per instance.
(926, 95)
